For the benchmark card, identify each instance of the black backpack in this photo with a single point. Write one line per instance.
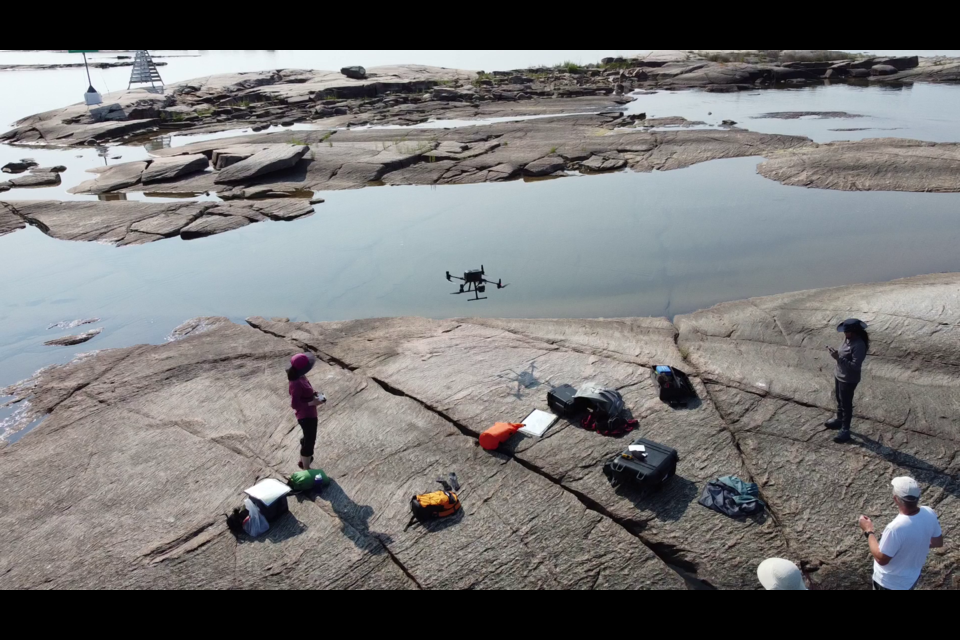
(675, 386)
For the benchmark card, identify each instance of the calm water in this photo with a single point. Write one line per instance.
(598, 246)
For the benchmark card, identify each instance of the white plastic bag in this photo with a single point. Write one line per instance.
(256, 525)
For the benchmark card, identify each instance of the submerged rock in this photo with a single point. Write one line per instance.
(796, 115)
(882, 164)
(69, 341)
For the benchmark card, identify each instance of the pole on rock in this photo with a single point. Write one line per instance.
(87, 67)
(91, 97)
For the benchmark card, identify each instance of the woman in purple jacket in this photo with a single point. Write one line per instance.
(304, 401)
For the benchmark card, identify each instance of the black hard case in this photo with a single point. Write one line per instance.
(659, 465)
(562, 401)
(275, 510)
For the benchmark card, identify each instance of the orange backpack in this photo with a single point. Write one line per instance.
(439, 504)
(498, 434)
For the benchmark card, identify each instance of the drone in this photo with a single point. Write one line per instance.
(475, 283)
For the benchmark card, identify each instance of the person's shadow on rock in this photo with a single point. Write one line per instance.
(283, 528)
(928, 472)
(354, 518)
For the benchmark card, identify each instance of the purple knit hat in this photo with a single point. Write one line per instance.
(303, 362)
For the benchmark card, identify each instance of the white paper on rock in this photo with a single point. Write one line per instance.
(537, 423)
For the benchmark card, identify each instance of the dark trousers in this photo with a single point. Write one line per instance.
(845, 404)
(309, 439)
(877, 587)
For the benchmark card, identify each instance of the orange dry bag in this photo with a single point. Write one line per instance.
(498, 434)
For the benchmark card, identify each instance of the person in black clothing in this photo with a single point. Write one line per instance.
(849, 359)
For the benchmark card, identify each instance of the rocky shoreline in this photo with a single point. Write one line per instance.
(413, 94)
(153, 445)
(274, 175)
(577, 125)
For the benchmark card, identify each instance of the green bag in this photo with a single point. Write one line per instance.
(309, 480)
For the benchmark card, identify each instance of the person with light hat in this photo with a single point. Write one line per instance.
(304, 402)
(849, 359)
(777, 574)
(900, 555)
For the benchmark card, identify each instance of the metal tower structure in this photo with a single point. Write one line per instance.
(145, 71)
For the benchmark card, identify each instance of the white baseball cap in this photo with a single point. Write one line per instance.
(906, 488)
(777, 574)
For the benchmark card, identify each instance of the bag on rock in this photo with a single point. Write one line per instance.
(255, 525)
(732, 497)
(675, 386)
(309, 480)
(603, 403)
(439, 504)
(248, 520)
(497, 435)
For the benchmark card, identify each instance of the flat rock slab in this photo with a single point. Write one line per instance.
(112, 179)
(490, 153)
(123, 223)
(603, 163)
(276, 158)
(765, 385)
(884, 164)
(165, 224)
(767, 371)
(96, 221)
(163, 169)
(36, 180)
(408, 398)
(796, 115)
(511, 366)
(69, 341)
(210, 225)
(9, 221)
(544, 167)
(518, 529)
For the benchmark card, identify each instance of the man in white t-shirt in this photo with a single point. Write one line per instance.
(900, 555)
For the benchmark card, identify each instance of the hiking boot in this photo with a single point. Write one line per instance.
(305, 462)
(843, 437)
(833, 424)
